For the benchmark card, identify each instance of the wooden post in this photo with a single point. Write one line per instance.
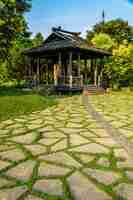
(38, 70)
(70, 69)
(85, 63)
(29, 64)
(70, 64)
(81, 81)
(55, 75)
(95, 73)
(79, 64)
(92, 70)
(59, 63)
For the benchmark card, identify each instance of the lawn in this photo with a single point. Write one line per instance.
(15, 102)
(117, 108)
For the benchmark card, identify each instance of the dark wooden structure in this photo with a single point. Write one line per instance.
(61, 58)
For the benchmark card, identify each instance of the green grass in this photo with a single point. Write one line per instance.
(15, 102)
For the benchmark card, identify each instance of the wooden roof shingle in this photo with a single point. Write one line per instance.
(61, 39)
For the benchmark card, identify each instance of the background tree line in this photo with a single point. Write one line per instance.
(116, 36)
(14, 38)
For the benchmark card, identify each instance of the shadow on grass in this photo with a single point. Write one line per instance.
(12, 91)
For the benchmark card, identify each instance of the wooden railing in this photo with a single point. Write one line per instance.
(71, 81)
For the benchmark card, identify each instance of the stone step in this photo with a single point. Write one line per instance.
(92, 89)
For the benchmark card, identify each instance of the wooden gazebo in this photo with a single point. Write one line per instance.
(64, 53)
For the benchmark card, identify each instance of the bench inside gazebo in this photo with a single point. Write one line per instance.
(59, 61)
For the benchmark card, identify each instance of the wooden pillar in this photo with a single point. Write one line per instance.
(92, 70)
(29, 67)
(70, 64)
(38, 70)
(59, 63)
(85, 63)
(47, 73)
(95, 73)
(78, 64)
(55, 75)
(70, 69)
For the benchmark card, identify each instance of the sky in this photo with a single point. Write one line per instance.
(75, 15)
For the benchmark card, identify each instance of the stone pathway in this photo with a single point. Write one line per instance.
(62, 153)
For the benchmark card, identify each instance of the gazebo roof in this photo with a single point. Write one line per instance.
(60, 40)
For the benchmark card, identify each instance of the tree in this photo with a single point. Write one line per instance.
(120, 67)
(102, 40)
(11, 23)
(38, 39)
(14, 36)
(117, 29)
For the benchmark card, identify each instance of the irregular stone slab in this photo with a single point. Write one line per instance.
(31, 197)
(70, 130)
(12, 194)
(88, 134)
(37, 121)
(52, 170)
(76, 119)
(15, 126)
(33, 126)
(60, 145)
(126, 132)
(104, 177)
(52, 187)
(48, 141)
(5, 182)
(100, 132)
(107, 142)
(83, 189)
(3, 164)
(4, 132)
(45, 129)
(61, 158)
(125, 191)
(21, 130)
(36, 149)
(7, 122)
(14, 155)
(20, 120)
(117, 124)
(54, 134)
(91, 148)
(77, 140)
(85, 158)
(22, 171)
(25, 139)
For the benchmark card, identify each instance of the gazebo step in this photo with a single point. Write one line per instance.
(92, 89)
